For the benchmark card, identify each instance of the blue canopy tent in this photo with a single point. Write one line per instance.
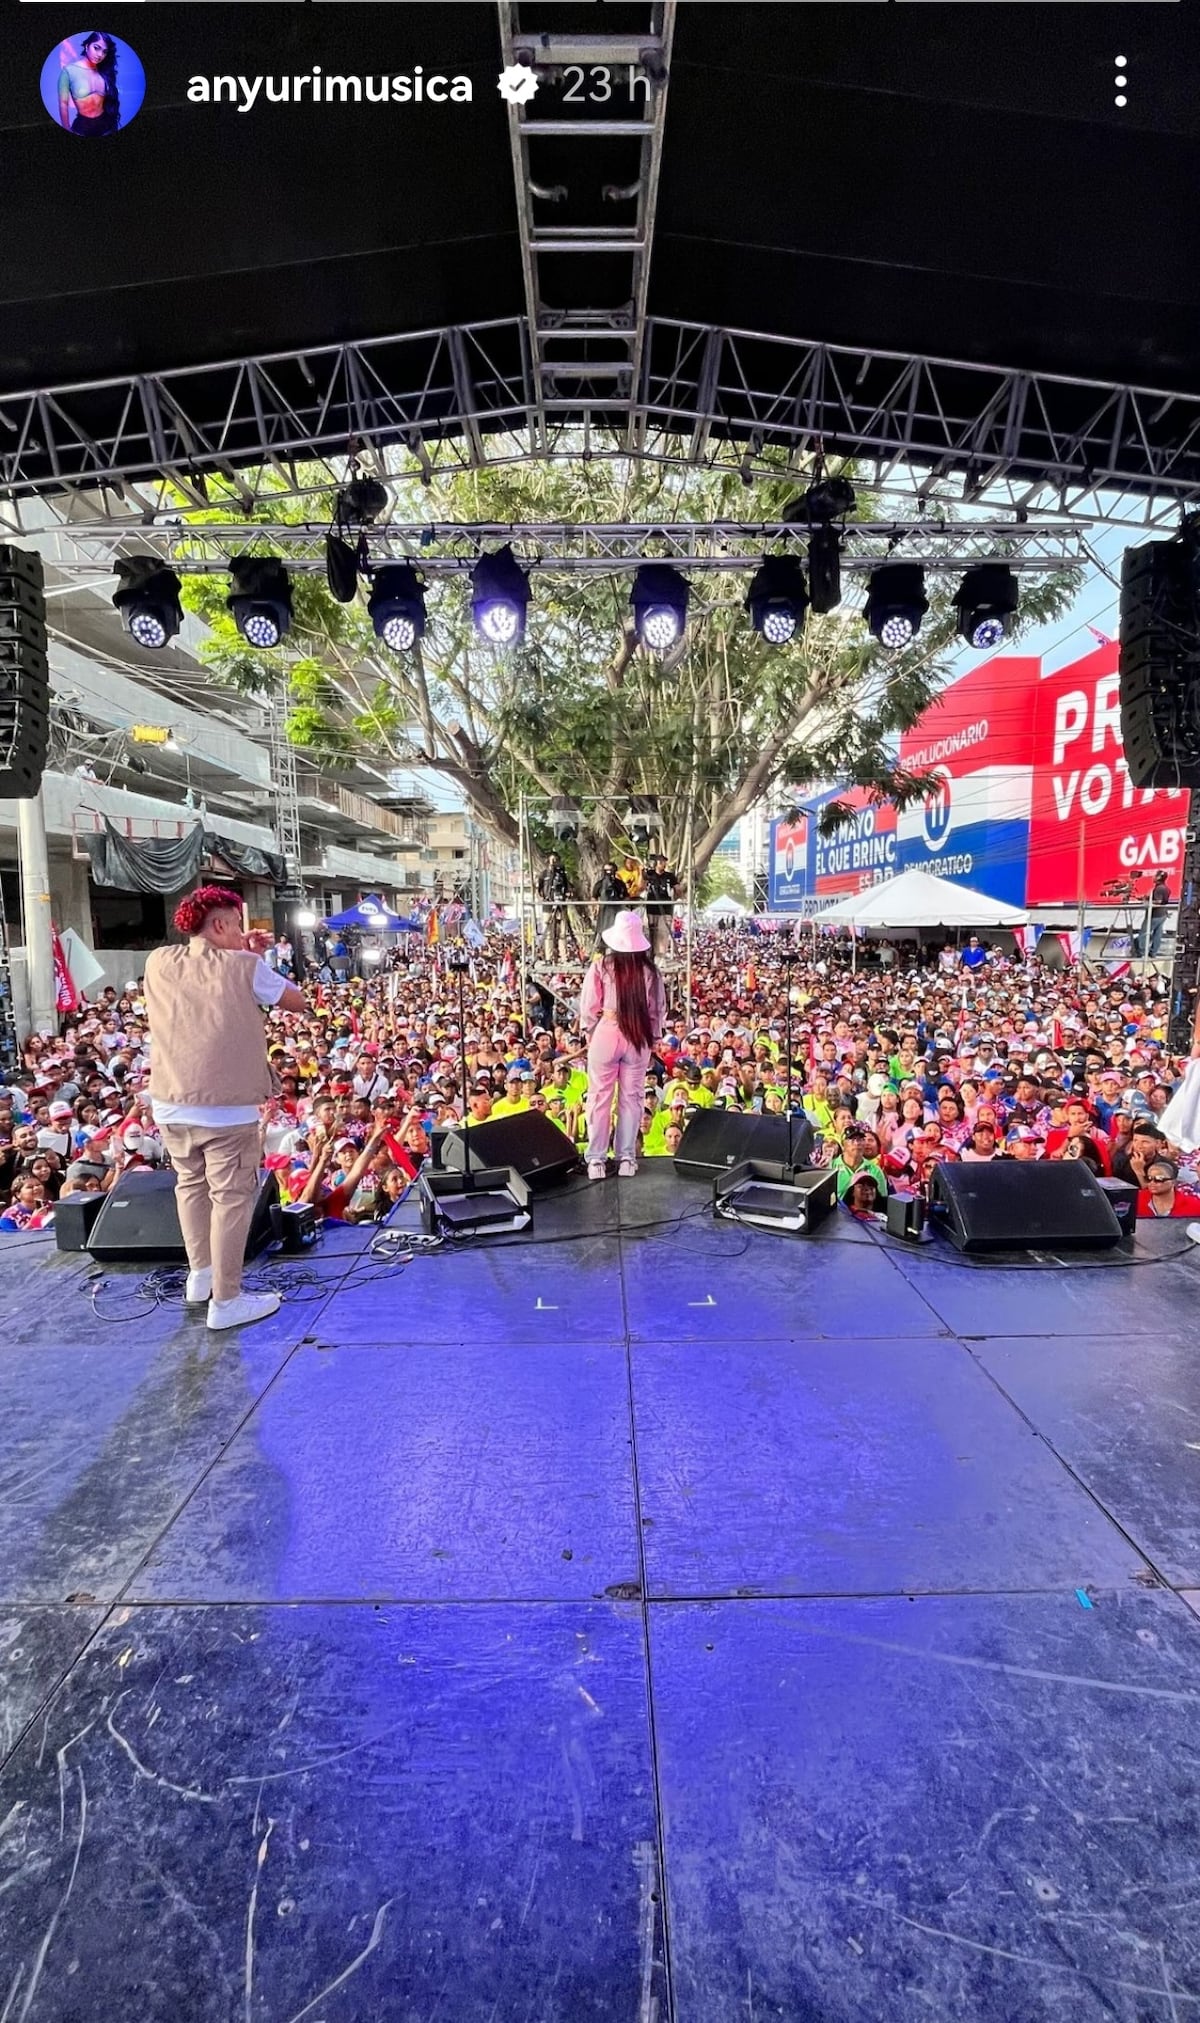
(373, 917)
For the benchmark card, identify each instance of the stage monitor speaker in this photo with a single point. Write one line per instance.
(1020, 1204)
(529, 1142)
(1160, 664)
(74, 1219)
(24, 675)
(715, 1141)
(139, 1222)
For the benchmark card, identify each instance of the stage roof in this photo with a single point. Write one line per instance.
(954, 182)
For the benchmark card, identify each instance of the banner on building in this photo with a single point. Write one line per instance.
(1091, 830)
(978, 738)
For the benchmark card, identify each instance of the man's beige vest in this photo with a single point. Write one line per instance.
(208, 1043)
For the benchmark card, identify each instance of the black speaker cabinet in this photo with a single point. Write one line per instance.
(715, 1141)
(1160, 673)
(529, 1142)
(139, 1223)
(1019, 1204)
(74, 1219)
(905, 1216)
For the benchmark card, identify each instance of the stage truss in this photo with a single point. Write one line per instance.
(243, 430)
(584, 548)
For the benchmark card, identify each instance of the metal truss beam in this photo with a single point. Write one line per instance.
(586, 282)
(424, 401)
(584, 548)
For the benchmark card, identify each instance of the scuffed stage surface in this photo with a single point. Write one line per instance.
(652, 1620)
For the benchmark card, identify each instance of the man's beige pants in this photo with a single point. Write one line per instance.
(215, 1190)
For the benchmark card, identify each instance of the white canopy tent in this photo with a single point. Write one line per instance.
(917, 899)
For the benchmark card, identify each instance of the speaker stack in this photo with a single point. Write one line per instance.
(24, 675)
(1160, 662)
(715, 1141)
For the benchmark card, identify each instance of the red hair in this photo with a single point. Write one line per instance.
(192, 912)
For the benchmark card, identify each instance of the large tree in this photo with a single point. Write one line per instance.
(580, 710)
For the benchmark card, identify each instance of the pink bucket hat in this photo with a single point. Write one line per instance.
(626, 936)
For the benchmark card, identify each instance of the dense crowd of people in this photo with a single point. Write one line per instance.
(898, 1063)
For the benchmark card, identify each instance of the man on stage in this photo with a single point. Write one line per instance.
(208, 1077)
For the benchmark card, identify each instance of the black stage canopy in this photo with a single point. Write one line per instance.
(948, 181)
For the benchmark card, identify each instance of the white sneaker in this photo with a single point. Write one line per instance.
(243, 1311)
(596, 1169)
(198, 1287)
(627, 1169)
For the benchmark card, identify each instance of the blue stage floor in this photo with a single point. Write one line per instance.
(648, 1620)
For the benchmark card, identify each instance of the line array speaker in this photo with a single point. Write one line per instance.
(1160, 663)
(24, 675)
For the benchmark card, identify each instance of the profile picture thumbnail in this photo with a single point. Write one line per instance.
(93, 83)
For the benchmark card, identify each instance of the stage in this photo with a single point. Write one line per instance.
(641, 1619)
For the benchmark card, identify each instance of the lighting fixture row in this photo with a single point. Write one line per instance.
(778, 600)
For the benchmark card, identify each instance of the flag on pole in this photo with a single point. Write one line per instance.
(66, 997)
(1118, 969)
(433, 932)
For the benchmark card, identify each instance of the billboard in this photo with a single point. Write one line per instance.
(1090, 826)
(788, 883)
(806, 866)
(978, 738)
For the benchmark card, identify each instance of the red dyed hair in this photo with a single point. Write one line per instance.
(192, 912)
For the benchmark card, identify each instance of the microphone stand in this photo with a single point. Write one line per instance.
(460, 962)
(790, 955)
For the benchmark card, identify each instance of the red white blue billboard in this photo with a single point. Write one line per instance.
(978, 739)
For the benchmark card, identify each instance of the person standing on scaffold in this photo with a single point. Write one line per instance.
(622, 1011)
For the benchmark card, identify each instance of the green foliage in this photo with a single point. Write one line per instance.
(580, 710)
(722, 880)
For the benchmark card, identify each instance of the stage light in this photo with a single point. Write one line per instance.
(397, 606)
(148, 600)
(362, 502)
(564, 819)
(828, 499)
(778, 599)
(660, 606)
(261, 599)
(986, 604)
(896, 603)
(500, 597)
(825, 569)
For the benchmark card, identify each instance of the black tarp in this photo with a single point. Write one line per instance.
(153, 864)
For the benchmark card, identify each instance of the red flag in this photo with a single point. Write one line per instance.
(66, 997)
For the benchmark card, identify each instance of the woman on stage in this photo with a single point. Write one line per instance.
(88, 102)
(622, 1012)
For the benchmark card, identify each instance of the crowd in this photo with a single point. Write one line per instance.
(898, 1065)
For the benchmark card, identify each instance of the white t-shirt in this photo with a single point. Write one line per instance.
(269, 987)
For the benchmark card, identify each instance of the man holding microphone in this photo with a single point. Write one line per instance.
(209, 1077)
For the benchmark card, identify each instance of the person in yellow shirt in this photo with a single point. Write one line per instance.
(516, 1095)
(630, 876)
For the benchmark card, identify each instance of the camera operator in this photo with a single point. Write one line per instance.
(660, 889)
(555, 890)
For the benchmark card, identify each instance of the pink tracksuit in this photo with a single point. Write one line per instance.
(613, 1063)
